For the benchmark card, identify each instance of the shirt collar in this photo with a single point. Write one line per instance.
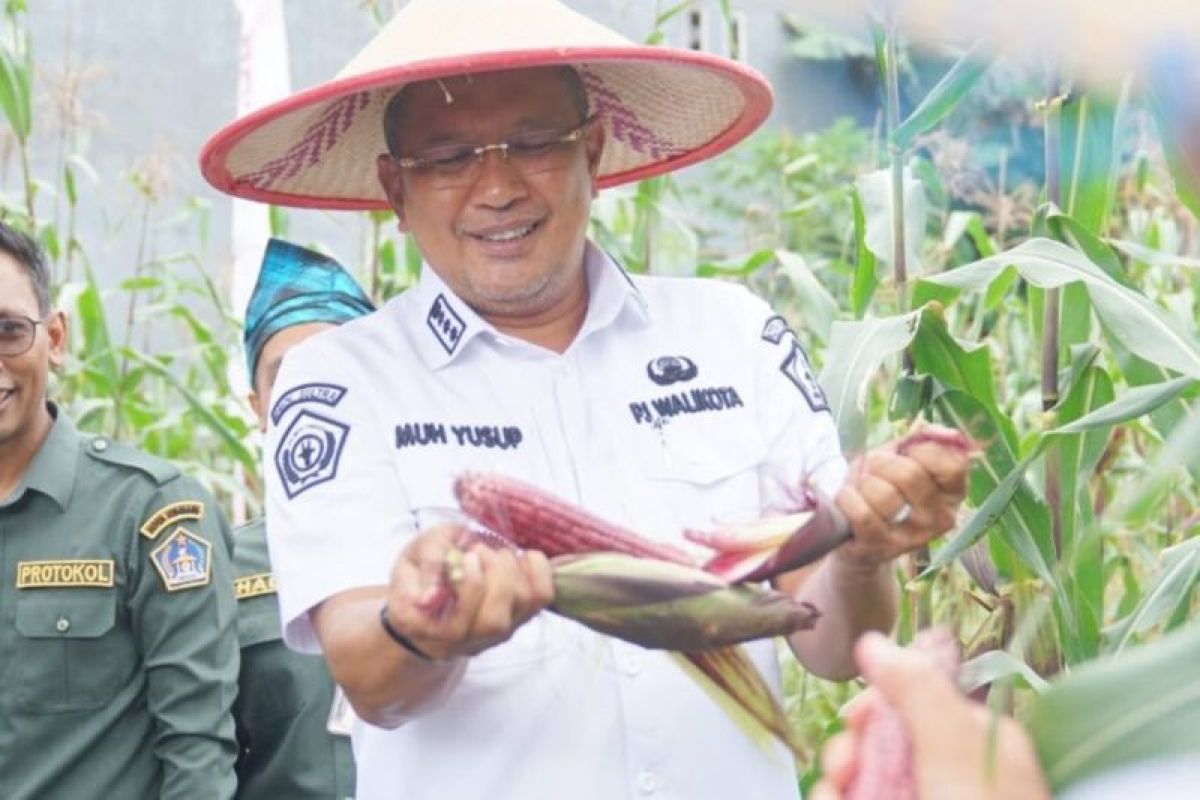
(446, 325)
(52, 470)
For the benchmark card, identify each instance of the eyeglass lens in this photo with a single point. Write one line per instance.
(16, 335)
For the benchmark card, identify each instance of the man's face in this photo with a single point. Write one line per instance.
(508, 243)
(269, 361)
(23, 377)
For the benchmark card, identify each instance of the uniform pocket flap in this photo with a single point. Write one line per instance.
(704, 457)
(66, 613)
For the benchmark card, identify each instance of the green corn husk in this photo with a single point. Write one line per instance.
(667, 606)
(663, 605)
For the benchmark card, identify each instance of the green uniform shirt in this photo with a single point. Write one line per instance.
(285, 698)
(118, 649)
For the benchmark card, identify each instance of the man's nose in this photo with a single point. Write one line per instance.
(499, 182)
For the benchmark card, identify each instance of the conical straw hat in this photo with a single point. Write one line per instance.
(663, 108)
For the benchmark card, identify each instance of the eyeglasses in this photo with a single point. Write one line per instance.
(456, 165)
(17, 334)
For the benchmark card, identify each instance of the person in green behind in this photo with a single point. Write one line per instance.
(118, 641)
(291, 728)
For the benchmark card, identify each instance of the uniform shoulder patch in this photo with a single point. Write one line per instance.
(775, 329)
(309, 451)
(799, 371)
(157, 469)
(329, 394)
(173, 512)
(257, 585)
(183, 560)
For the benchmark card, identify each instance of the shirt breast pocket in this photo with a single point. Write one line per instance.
(708, 474)
(71, 656)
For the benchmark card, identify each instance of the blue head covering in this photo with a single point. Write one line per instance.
(297, 285)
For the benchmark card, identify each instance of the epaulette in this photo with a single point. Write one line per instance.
(104, 449)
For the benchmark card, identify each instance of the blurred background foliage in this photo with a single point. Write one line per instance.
(940, 264)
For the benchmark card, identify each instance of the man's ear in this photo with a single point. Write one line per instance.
(391, 179)
(56, 330)
(594, 147)
(256, 405)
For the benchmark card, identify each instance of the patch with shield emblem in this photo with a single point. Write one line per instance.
(799, 372)
(309, 451)
(183, 560)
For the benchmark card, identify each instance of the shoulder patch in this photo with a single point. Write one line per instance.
(776, 328)
(799, 371)
(174, 512)
(329, 394)
(183, 560)
(309, 451)
(257, 585)
(157, 469)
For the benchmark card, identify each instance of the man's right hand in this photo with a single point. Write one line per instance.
(454, 597)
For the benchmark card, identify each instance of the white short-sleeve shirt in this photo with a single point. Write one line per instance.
(681, 403)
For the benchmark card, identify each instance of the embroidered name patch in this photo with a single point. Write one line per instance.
(72, 572)
(309, 451)
(799, 372)
(489, 437)
(183, 560)
(666, 370)
(695, 401)
(175, 512)
(447, 326)
(325, 393)
(254, 585)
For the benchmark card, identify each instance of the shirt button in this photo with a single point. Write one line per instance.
(647, 783)
(100, 445)
(62, 625)
(631, 666)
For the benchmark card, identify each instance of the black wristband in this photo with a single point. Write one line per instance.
(399, 638)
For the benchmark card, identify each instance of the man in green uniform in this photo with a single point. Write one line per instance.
(118, 647)
(292, 735)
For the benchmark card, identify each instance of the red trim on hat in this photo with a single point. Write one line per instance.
(754, 87)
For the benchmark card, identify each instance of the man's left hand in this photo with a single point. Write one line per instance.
(897, 498)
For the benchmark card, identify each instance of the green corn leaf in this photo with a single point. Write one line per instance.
(855, 351)
(943, 98)
(1143, 704)
(995, 665)
(1070, 231)
(1140, 325)
(1091, 157)
(230, 439)
(1077, 456)
(999, 493)
(875, 191)
(818, 306)
(866, 277)
(1170, 589)
(745, 269)
(15, 95)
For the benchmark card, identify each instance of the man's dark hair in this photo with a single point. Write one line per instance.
(25, 251)
(394, 113)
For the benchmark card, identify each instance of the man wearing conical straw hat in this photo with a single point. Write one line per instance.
(664, 404)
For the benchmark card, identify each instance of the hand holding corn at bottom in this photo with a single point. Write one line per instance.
(914, 735)
(475, 591)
